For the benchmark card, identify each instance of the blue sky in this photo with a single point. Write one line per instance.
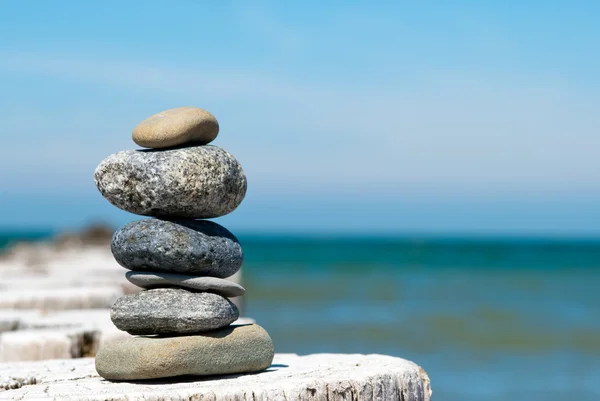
(454, 117)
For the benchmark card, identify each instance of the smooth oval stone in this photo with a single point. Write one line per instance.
(195, 247)
(235, 349)
(172, 311)
(195, 182)
(219, 286)
(183, 125)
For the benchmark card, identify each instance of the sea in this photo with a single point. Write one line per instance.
(487, 318)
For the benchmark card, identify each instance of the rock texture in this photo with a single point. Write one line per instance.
(234, 349)
(325, 377)
(34, 334)
(219, 286)
(197, 247)
(194, 182)
(84, 297)
(183, 125)
(38, 344)
(172, 311)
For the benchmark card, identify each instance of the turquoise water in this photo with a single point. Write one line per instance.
(8, 237)
(488, 320)
(501, 319)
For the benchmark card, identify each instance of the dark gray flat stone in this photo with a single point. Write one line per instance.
(193, 182)
(172, 311)
(195, 247)
(220, 286)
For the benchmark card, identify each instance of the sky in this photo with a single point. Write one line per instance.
(347, 116)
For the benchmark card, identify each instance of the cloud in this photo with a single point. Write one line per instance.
(478, 132)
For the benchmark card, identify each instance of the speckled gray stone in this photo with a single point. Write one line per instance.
(195, 247)
(235, 349)
(219, 286)
(194, 182)
(172, 311)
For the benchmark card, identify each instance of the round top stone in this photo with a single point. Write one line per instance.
(173, 127)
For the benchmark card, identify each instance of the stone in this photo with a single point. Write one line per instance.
(60, 298)
(36, 344)
(235, 349)
(58, 319)
(172, 311)
(219, 286)
(180, 126)
(47, 334)
(196, 247)
(10, 319)
(326, 377)
(195, 182)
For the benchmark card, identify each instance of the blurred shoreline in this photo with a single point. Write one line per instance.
(523, 310)
(92, 235)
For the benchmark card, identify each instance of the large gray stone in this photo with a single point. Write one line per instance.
(235, 349)
(172, 311)
(193, 182)
(183, 125)
(196, 247)
(325, 377)
(219, 286)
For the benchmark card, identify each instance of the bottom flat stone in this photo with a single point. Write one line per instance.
(234, 349)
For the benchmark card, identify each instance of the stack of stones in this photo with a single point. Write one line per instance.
(181, 321)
